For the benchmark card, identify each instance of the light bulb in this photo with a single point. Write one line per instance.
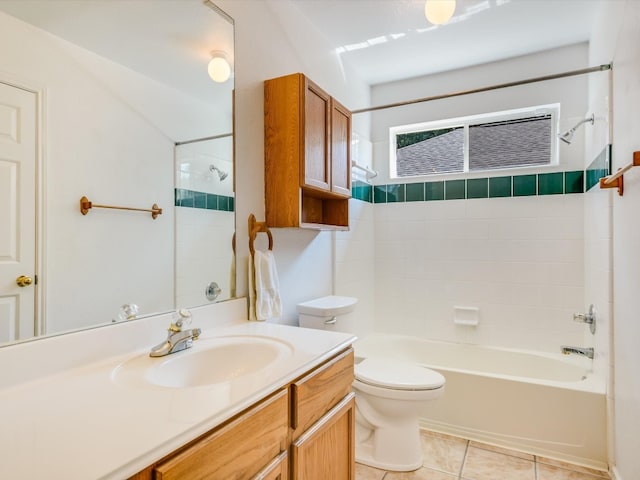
(439, 12)
(219, 68)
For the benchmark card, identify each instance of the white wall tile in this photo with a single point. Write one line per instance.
(520, 268)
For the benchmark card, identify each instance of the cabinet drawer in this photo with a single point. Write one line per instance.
(238, 450)
(315, 394)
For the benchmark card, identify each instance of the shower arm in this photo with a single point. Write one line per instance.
(590, 119)
(567, 136)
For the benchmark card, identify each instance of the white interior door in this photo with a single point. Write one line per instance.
(17, 212)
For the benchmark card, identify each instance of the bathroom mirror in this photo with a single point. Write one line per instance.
(112, 101)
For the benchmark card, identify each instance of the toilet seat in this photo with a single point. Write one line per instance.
(397, 375)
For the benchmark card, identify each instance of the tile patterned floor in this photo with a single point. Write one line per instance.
(454, 458)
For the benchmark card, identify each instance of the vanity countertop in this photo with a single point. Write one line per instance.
(81, 424)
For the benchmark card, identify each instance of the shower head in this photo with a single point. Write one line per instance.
(567, 136)
(221, 175)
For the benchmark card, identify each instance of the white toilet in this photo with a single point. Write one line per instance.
(389, 393)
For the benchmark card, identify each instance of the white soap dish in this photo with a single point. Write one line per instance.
(469, 316)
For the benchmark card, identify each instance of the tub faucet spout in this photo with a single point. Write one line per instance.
(587, 352)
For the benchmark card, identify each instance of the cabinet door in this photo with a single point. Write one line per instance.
(316, 167)
(238, 450)
(340, 149)
(276, 470)
(327, 449)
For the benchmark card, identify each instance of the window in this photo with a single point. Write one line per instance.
(499, 140)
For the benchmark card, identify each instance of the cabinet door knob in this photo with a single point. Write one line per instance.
(24, 281)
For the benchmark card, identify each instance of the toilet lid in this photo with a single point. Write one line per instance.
(397, 375)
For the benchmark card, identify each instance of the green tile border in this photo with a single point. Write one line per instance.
(395, 192)
(551, 183)
(598, 168)
(434, 191)
(202, 200)
(379, 194)
(362, 191)
(454, 189)
(525, 185)
(500, 187)
(534, 184)
(574, 182)
(478, 188)
(414, 192)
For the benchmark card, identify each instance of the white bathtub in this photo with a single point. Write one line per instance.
(545, 404)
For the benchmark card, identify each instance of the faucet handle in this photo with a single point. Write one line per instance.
(180, 318)
(583, 317)
(589, 318)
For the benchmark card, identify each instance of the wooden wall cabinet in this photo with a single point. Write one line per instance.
(305, 431)
(307, 155)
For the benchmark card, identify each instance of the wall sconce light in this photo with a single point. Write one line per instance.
(219, 67)
(439, 12)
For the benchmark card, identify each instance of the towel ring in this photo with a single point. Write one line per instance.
(256, 227)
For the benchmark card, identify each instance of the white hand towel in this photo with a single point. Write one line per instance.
(252, 289)
(267, 285)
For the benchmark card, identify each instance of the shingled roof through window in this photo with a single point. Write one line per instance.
(441, 154)
(509, 144)
(521, 142)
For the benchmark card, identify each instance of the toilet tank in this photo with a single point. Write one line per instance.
(333, 313)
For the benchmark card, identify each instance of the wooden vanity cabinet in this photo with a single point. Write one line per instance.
(307, 155)
(278, 469)
(305, 431)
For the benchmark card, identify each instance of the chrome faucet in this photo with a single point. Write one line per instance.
(177, 339)
(587, 352)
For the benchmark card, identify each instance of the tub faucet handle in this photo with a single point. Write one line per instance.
(589, 318)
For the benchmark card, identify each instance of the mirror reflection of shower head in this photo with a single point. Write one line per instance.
(567, 136)
(221, 175)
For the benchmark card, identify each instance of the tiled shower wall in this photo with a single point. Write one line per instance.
(508, 243)
(354, 263)
(519, 260)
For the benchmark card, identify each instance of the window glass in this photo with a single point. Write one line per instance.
(510, 143)
(431, 151)
(514, 138)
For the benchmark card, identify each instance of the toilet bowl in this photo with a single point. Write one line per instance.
(389, 398)
(389, 394)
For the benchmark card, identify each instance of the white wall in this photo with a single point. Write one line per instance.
(616, 38)
(274, 39)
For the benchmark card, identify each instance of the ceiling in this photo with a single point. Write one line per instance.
(387, 40)
(167, 40)
(382, 40)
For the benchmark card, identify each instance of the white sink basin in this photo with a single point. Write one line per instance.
(210, 361)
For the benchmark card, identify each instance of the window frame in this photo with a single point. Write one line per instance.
(552, 109)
